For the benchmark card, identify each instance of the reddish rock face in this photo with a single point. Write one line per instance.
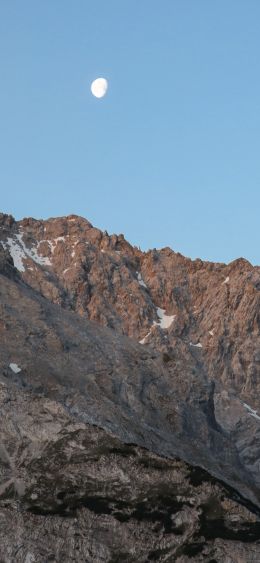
(157, 297)
(189, 390)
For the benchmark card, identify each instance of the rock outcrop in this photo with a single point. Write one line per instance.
(129, 405)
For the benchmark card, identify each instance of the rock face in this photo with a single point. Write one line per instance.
(129, 400)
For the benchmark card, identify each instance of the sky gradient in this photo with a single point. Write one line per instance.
(170, 156)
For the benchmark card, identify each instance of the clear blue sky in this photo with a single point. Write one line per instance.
(170, 156)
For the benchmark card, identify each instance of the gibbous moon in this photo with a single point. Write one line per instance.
(99, 87)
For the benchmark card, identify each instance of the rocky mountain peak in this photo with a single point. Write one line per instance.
(147, 357)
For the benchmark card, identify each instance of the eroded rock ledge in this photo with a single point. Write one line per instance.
(72, 492)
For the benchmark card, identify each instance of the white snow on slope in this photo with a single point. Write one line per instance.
(15, 368)
(32, 253)
(53, 243)
(198, 345)
(73, 253)
(144, 339)
(226, 280)
(251, 411)
(165, 320)
(16, 252)
(20, 252)
(140, 280)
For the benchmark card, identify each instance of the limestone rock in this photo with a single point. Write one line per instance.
(111, 449)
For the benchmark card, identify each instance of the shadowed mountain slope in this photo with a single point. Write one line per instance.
(96, 423)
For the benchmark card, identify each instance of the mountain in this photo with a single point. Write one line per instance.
(130, 411)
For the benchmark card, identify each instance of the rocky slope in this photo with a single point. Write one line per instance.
(119, 449)
(213, 306)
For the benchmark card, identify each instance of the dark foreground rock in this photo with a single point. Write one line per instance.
(71, 492)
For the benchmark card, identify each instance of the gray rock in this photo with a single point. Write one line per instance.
(111, 450)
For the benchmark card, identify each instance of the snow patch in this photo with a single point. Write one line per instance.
(198, 345)
(211, 332)
(165, 320)
(140, 280)
(53, 243)
(15, 368)
(144, 339)
(32, 253)
(20, 252)
(16, 252)
(251, 411)
(226, 280)
(73, 248)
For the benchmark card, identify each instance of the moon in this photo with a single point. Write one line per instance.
(99, 87)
